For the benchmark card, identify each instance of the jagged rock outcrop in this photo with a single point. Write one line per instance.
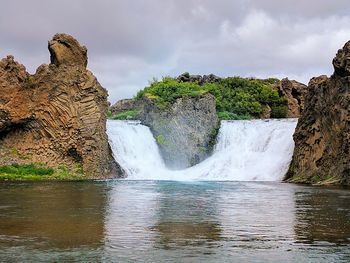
(124, 105)
(185, 132)
(58, 115)
(295, 93)
(186, 77)
(322, 136)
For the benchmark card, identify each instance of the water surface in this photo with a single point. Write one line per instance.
(166, 221)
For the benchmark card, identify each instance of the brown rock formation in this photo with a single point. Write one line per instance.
(322, 137)
(295, 93)
(58, 115)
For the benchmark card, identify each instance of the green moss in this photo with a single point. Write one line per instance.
(62, 171)
(160, 139)
(213, 137)
(29, 82)
(14, 151)
(25, 171)
(39, 171)
(126, 115)
(109, 114)
(225, 115)
(79, 170)
(202, 149)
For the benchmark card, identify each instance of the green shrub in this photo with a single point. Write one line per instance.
(225, 115)
(165, 92)
(244, 97)
(109, 114)
(279, 111)
(236, 98)
(126, 115)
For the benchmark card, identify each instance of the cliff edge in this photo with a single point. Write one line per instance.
(322, 136)
(56, 116)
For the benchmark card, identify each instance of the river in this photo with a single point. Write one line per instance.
(169, 221)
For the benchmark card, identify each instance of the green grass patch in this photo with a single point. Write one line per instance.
(109, 114)
(26, 169)
(225, 115)
(126, 115)
(25, 172)
(39, 171)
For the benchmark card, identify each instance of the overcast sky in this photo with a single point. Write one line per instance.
(131, 41)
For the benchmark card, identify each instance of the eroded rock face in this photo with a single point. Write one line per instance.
(124, 105)
(186, 77)
(65, 50)
(322, 136)
(184, 132)
(58, 115)
(295, 93)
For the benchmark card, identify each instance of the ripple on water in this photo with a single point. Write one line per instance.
(158, 221)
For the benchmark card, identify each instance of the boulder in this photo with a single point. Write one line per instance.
(58, 115)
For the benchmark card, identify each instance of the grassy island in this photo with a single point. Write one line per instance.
(236, 97)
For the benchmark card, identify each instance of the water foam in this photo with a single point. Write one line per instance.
(256, 150)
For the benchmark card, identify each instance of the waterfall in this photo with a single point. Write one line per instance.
(255, 150)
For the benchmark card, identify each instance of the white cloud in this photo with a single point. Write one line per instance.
(130, 42)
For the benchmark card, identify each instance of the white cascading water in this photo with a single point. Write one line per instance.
(256, 150)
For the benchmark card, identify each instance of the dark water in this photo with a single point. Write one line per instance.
(145, 221)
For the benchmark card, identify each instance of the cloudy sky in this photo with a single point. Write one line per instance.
(131, 41)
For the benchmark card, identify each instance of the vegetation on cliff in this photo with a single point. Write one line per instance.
(38, 171)
(125, 115)
(236, 97)
(57, 115)
(322, 136)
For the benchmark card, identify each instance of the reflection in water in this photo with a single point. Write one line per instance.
(323, 215)
(183, 220)
(257, 216)
(44, 216)
(149, 221)
(186, 233)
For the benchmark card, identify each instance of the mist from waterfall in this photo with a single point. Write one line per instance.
(255, 150)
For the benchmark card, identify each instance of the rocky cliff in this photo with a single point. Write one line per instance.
(185, 132)
(56, 116)
(322, 136)
(295, 93)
